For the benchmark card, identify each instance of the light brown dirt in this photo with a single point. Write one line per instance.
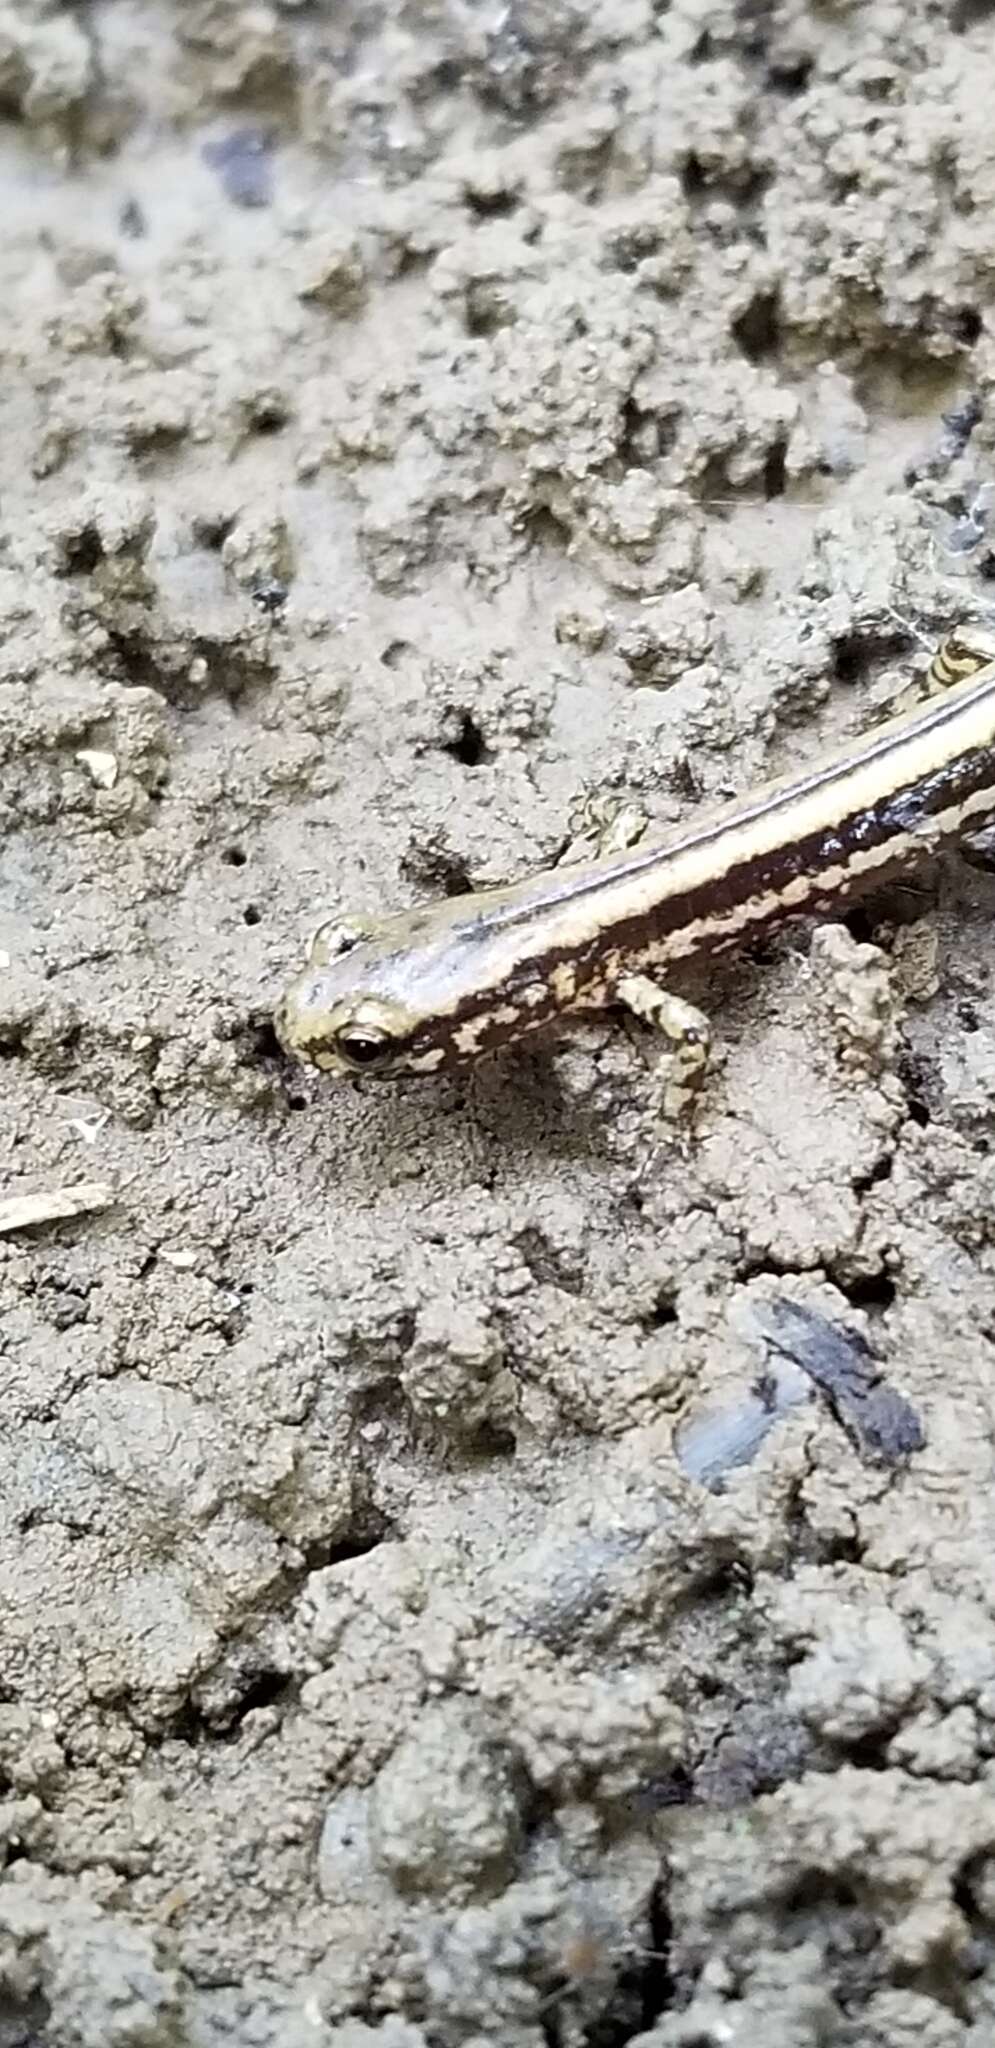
(436, 1607)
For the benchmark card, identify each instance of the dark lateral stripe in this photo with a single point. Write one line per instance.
(896, 822)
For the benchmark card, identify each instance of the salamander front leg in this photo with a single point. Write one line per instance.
(679, 1073)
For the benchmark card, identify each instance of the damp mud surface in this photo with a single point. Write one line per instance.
(478, 1566)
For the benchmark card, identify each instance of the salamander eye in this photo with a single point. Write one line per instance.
(362, 1048)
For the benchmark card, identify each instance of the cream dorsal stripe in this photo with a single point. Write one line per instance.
(893, 777)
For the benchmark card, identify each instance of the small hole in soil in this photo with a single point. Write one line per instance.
(849, 659)
(469, 746)
(874, 1290)
(435, 868)
(676, 1789)
(919, 1083)
(269, 419)
(775, 471)
(456, 880)
(235, 857)
(491, 1441)
(869, 1753)
(860, 926)
(757, 329)
(818, 1888)
(789, 75)
(967, 325)
(662, 1314)
(252, 914)
(446, 75)
(84, 552)
(731, 1580)
(264, 1042)
(263, 1690)
(542, 529)
(491, 205)
(963, 1889)
(693, 179)
(323, 1556)
(881, 1170)
(211, 530)
(484, 317)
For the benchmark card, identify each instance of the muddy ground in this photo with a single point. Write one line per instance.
(476, 1568)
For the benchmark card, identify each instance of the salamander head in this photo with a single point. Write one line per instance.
(358, 1034)
(337, 1015)
(433, 987)
(383, 999)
